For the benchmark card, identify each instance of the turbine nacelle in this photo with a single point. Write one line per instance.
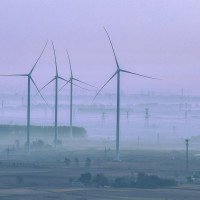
(30, 79)
(118, 92)
(56, 77)
(75, 79)
(31, 71)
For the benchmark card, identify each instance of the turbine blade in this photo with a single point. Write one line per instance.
(84, 83)
(62, 78)
(69, 63)
(38, 90)
(14, 75)
(112, 48)
(105, 85)
(45, 86)
(39, 57)
(80, 87)
(139, 74)
(54, 51)
(63, 86)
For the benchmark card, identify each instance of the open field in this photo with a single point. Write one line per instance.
(46, 176)
(99, 193)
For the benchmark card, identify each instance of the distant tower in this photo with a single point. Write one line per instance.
(127, 114)
(138, 142)
(103, 118)
(2, 104)
(105, 153)
(146, 117)
(186, 114)
(22, 101)
(146, 113)
(158, 138)
(187, 162)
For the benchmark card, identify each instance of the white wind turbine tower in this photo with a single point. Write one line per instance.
(56, 78)
(71, 91)
(118, 93)
(30, 79)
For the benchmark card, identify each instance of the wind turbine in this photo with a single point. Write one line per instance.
(71, 90)
(30, 79)
(118, 71)
(56, 78)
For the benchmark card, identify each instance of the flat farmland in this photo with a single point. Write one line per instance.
(46, 175)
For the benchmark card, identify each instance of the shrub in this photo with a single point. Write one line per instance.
(100, 180)
(19, 179)
(67, 161)
(88, 162)
(122, 182)
(42, 130)
(153, 181)
(76, 161)
(38, 144)
(85, 178)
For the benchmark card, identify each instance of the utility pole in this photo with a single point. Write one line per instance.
(138, 142)
(2, 104)
(146, 117)
(146, 113)
(158, 139)
(187, 162)
(186, 114)
(103, 118)
(127, 114)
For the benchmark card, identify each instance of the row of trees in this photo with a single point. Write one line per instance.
(68, 161)
(42, 130)
(142, 180)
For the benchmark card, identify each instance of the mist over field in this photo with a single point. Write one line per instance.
(126, 125)
(149, 117)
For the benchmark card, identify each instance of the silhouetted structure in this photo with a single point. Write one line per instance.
(56, 78)
(118, 73)
(187, 161)
(29, 80)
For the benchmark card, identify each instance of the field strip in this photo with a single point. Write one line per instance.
(19, 191)
(100, 189)
(110, 197)
(188, 187)
(138, 198)
(68, 189)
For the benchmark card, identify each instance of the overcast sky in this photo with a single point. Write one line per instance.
(159, 38)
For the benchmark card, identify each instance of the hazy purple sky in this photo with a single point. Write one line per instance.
(160, 38)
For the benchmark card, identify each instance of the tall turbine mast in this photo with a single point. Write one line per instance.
(56, 78)
(30, 79)
(71, 91)
(118, 93)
